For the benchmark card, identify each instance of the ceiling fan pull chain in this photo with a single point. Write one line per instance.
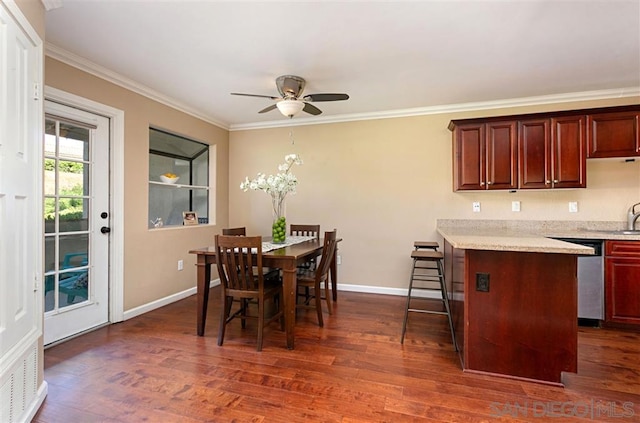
(293, 142)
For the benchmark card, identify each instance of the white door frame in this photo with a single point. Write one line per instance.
(116, 184)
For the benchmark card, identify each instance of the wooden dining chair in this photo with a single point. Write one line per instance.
(269, 272)
(305, 230)
(315, 278)
(241, 280)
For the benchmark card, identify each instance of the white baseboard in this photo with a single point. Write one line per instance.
(341, 287)
(145, 308)
(386, 291)
(35, 405)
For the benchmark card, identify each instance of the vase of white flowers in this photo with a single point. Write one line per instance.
(278, 186)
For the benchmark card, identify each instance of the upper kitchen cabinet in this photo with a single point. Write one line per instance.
(552, 153)
(540, 150)
(613, 134)
(534, 153)
(484, 156)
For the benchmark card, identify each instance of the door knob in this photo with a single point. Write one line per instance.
(105, 229)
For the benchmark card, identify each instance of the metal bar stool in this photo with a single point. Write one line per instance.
(428, 276)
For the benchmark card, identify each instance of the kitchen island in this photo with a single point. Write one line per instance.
(513, 301)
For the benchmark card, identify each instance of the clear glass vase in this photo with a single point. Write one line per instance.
(279, 230)
(279, 226)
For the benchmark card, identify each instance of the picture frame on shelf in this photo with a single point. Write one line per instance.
(189, 218)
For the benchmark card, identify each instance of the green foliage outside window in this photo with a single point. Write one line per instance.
(69, 208)
(65, 167)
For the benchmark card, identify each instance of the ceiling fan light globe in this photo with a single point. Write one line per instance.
(290, 108)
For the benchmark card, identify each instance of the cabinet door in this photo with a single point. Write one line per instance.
(569, 159)
(501, 161)
(622, 281)
(534, 151)
(622, 290)
(469, 159)
(614, 134)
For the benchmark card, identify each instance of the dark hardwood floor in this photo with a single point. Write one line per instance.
(154, 368)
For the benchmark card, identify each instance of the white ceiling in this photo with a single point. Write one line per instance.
(388, 56)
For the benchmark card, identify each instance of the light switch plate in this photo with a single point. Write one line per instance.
(573, 207)
(476, 206)
(515, 206)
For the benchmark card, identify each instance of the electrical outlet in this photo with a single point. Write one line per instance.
(482, 282)
(573, 207)
(515, 206)
(180, 264)
(339, 259)
(476, 206)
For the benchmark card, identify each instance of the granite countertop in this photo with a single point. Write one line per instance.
(528, 236)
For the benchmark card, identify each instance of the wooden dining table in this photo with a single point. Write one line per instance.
(287, 259)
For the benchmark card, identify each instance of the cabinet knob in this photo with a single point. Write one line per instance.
(489, 183)
(555, 181)
(547, 182)
(481, 184)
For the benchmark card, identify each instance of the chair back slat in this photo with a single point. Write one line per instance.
(239, 261)
(304, 230)
(328, 251)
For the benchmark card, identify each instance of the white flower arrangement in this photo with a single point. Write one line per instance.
(278, 186)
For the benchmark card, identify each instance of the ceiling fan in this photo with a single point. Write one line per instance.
(291, 100)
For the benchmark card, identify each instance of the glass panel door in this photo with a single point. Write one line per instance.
(66, 217)
(76, 221)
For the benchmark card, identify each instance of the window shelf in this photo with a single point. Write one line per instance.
(179, 185)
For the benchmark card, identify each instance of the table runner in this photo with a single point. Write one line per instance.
(290, 240)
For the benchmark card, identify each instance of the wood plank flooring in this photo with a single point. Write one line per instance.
(154, 368)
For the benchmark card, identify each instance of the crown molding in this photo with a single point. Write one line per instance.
(449, 108)
(92, 68)
(51, 4)
(115, 78)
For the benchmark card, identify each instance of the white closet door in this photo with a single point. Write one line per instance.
(21, 221)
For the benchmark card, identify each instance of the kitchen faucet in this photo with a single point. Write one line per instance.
(632, 216)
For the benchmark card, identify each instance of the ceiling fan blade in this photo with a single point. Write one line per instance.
(268, 109)
(326, 97)
(257, 95)
(311, 109)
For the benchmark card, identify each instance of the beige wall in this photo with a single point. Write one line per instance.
(150, 256)
(383, 183)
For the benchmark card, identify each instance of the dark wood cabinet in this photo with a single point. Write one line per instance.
(485, 156)
(552, 153)
(568, 152)
(622, 282)
(534, 154)
(524, 325)
(540, 150)
(614, 134)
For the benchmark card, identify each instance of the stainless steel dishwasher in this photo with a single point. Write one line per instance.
(590, 283)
